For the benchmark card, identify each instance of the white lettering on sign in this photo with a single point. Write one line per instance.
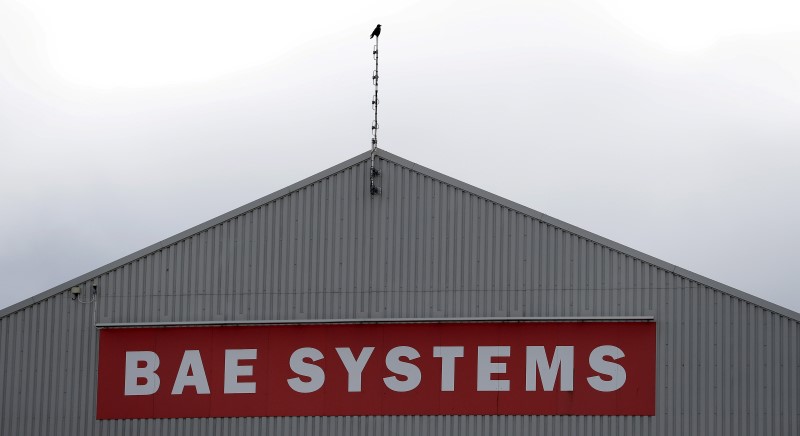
(428, 367)
(298, 364)
(191, 362)
(611, 369)
(354, 366)
(406, 369)
(487, 368)
(448, 356)
(233, 370)
(133, 373)
(141, 366)
(536, 363)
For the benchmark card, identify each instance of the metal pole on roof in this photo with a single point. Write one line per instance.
(374, 172)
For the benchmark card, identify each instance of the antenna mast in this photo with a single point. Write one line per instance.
(374, 172)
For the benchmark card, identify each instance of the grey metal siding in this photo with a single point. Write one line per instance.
(424, 248)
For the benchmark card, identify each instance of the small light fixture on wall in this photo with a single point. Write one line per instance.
(77, 291)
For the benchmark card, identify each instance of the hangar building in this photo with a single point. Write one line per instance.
(432, 308)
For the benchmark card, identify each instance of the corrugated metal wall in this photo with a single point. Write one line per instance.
(423, 249)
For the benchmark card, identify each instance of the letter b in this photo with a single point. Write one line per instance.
(133, 373)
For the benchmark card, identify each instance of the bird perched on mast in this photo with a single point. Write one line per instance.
(376, 32)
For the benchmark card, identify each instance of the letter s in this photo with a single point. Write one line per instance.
(407, 369)
(301, 367)
(602, 366)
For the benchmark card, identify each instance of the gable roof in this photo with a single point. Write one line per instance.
(426, 172)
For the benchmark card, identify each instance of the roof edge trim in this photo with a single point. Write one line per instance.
(112, 325)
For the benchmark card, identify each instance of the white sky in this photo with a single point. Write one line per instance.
(670, 127)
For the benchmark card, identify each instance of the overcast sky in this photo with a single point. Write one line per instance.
(671, 128)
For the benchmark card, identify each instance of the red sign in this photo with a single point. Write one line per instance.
(480, 368)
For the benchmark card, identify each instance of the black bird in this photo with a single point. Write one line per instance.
(376, 32)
